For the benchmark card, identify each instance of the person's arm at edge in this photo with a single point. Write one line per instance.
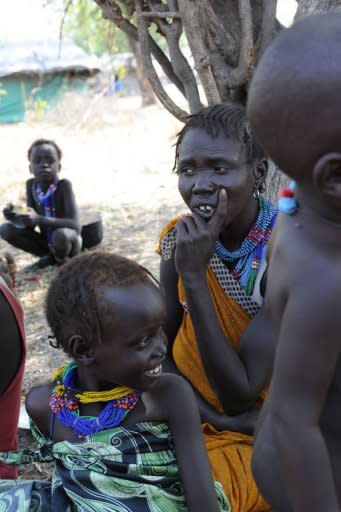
(307, 355)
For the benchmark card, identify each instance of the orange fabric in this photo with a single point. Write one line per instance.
(229, 452)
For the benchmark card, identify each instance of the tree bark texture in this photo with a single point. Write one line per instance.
(147, 94)
(308, 7)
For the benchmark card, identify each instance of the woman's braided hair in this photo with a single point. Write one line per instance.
(226, 118)
(74, 302)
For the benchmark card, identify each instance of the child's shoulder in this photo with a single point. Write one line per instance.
(174, 386)
(30, 182)
(37, 405)
(64, 182)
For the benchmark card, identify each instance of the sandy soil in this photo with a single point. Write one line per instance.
(119, 158)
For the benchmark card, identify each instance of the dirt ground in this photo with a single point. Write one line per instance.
(119, 158)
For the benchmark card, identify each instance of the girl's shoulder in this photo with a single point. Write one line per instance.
(63, 183)
(172, 387)
(37, 405)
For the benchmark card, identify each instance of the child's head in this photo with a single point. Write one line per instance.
(215, 150)
(294, 103)
(106, 311)
(44, 157)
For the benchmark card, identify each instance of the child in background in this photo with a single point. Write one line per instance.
(123, 434)
(52, 209)
(295, 110)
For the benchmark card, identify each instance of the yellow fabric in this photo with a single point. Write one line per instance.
(229, 452)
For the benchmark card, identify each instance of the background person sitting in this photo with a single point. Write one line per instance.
(52, 208)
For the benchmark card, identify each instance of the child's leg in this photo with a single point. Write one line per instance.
(65, 242)
(25, 239)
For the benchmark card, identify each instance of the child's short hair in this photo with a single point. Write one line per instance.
(74, 296)
(40, 142)
(226, 118)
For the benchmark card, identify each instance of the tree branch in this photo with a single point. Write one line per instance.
(149, 68)
(240, 74)
(61, 27)
(172, 32)
(190, 15)
(111, 11)
(268, 26)
(155, 14)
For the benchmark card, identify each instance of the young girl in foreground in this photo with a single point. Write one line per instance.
(110, 418)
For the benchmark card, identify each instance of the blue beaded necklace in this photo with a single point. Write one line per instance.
(250, 253)
(66, 408)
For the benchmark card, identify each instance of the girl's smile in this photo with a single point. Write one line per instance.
(131, 353)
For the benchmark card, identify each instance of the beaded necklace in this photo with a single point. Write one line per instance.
(47, 199)
(65, 401)
(250, 253)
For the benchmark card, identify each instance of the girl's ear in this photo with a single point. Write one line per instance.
(80, 350)
(30, 168)
(327, 175)
(260, 171)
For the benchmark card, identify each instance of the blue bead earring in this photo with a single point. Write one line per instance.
(287, 203)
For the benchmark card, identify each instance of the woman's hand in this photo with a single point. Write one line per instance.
(244, 422)
(195, 238)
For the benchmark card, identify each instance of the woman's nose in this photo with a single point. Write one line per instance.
(203, 183)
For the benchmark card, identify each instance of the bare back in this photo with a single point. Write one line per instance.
(303, 292)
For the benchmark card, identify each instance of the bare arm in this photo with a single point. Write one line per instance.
(236, 377)
(306, 359)
(191, 454)
(37, 406)
(10, 345)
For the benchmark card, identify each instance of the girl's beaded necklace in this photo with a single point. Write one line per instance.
(47, 199)
(251, 252)
(65, 399)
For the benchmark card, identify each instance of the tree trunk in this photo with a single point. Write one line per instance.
(308, 7)
(147, 94)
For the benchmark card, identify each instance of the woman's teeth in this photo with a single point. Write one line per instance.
(205, 208)
(155, 370)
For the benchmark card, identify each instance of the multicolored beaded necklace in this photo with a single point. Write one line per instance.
(65, 399)
(251, 252)
(48, 201)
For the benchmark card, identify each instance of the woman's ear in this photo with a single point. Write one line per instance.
(260, 172)
(327, 175)
(80, 350)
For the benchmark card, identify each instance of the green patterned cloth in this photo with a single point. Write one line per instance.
(131, 469)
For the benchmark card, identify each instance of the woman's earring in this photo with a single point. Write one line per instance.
(256, 194)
